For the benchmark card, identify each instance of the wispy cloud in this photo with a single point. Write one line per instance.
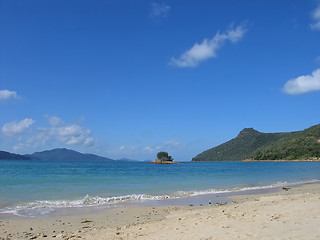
(69, 134)
(303, 84)
(72, 135)
(54, 120)
(159, 10)
(56, 134)
(165, 146)
(173, 144)
(151, 149)
(6, 94)
(13, 128)
(316, 19)
(208, 48)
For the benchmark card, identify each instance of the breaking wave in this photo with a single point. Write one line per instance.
(43, 207)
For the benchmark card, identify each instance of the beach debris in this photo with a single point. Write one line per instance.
(275, 217)
(285, 188)
(221, 203)
(86, 221)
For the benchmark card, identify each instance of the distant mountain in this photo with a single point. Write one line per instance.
(63, 154)
(12, 156)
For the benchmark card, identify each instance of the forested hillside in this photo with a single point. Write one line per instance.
(252, 144)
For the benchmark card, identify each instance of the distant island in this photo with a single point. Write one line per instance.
(58, 154)
(164, 158)
(12, 156)
(252, 145)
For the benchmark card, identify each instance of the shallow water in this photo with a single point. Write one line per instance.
(32, 188)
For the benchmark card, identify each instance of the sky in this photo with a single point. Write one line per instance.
(127, 79)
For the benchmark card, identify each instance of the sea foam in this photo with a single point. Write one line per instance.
(43, 207)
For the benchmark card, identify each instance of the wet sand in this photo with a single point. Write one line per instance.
(288, 214)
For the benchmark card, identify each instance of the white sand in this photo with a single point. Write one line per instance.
(292, 214)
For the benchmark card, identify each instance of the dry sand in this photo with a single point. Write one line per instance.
(292, 214)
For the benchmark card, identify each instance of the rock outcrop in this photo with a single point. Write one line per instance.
(164, 161)
(163, 158)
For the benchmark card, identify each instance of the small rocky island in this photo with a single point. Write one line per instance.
(164, 158)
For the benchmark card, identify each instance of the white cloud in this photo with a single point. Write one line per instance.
(316, 17)
(122, 148)
(55, 135)
(6, 94)
(33, 142)
(54, 120)
(13, 128)
(72, 135)
(208, 47)
(304, 84)
(160, 9)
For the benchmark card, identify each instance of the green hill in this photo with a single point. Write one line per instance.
(301, 145)
(252, 144)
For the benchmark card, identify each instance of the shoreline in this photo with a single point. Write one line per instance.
(292, 212)
(283, 160)
(47, 208)
(249, 160)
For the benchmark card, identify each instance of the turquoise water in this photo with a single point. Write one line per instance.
(38, 187)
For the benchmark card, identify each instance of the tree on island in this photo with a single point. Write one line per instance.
(164, 156)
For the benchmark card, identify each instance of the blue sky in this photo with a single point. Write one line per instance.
(126, 79)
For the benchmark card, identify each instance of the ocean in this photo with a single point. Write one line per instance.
(38, 188)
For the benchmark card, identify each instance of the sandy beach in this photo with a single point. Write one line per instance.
(288, 214)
